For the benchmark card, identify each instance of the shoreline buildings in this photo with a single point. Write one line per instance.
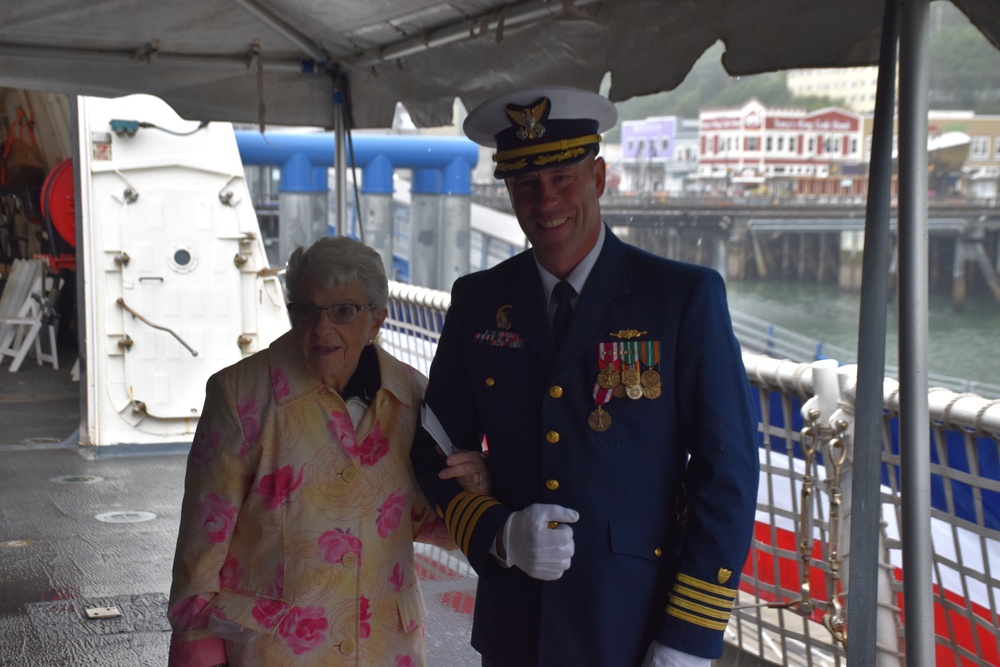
(753, 149)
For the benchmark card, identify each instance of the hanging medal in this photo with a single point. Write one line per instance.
(599, 419)
(650, 379)
(608, 364)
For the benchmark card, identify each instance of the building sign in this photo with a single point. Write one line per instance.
(730, 123)
(823, 123)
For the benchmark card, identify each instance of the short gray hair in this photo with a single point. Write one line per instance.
(337, 260)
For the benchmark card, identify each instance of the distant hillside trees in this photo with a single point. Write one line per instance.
(964, 74)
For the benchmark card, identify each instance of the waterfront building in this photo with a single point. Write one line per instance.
(853, 86)
(781, 151)
(964, 154)
(659, 155)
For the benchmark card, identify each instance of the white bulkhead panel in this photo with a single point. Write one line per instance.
(177, 284)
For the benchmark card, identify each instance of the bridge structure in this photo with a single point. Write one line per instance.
(821, 242)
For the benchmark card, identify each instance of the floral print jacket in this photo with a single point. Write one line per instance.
(296, 533)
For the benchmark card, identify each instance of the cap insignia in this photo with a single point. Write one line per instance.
(529, 119)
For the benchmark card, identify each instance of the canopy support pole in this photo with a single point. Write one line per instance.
(864, 556)
(914, 435)
(340, 158)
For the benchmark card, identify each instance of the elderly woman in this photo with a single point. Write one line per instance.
(300, 506)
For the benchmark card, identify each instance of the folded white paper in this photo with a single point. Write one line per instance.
(433, 426)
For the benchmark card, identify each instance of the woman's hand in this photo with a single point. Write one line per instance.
(469, 470)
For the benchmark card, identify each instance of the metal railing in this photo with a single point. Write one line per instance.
(760, 336)
(793, 598)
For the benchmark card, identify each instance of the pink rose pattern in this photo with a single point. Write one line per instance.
(366, 616)
(374, 447)
(268, 612)
(230, 574)
(342, 430)
(334, 544)
(279, 382)
(277, 587)
(396, 578)
(391, 513)
(370, 451)
(277, 487)
(404, 661)
(185, 613)
(303, 628)
(217, 516)
(249, 413)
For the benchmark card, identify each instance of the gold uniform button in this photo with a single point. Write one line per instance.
(490, 382)
(555, 391)
(552, 484)
(350, 559)
(552, 436)
(347, 647)
(350, 474)
(658, 552)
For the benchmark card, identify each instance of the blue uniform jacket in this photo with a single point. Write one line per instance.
(666, 494)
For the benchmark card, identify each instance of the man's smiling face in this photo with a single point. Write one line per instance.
(558, 211)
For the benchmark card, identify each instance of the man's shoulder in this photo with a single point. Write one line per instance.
(643, 261)
(499, 275)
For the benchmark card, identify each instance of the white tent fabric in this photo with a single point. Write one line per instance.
(269, 60)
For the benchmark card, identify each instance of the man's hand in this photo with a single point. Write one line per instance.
(537, 540)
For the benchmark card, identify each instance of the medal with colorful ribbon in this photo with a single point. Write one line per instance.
(650, 379)
(609, 365)
(631, 376)
(608, 377)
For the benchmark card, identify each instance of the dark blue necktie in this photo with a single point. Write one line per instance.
(563, 292)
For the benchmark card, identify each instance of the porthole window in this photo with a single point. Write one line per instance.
(182, 259)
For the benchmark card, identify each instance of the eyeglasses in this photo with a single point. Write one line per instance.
(338, 313)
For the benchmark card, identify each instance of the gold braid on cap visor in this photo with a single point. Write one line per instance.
(565, 144)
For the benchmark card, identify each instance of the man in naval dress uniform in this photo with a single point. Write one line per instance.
(619, 505)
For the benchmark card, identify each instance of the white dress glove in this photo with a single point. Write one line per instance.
(541, 551)
(659, 655)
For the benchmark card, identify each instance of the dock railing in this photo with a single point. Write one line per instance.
(793, 606)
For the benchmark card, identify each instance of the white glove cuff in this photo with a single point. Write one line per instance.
(506, 541)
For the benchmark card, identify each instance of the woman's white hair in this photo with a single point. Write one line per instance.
(333, 261)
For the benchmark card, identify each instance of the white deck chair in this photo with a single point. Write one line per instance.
(20, 328)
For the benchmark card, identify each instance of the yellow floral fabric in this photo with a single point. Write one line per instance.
(295, 545)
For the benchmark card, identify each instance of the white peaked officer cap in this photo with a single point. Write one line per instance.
(540, 126)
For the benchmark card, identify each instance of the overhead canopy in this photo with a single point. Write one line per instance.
(270, 60)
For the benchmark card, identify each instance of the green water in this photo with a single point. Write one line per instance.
(960, 344)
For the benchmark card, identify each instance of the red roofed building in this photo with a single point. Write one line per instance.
(781, 151)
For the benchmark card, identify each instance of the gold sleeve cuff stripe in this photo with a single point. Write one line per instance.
(463, 512)
(721, 591)
(565, 144)
(701, 597)
(711, 612)
(696, 620)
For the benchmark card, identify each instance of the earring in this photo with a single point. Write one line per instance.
(371, 340)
